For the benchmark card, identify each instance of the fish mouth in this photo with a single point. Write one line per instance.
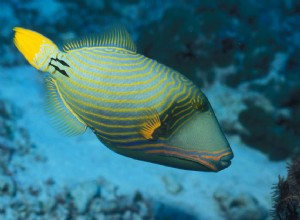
(225, 161)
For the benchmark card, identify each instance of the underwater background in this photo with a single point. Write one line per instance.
(244, 55)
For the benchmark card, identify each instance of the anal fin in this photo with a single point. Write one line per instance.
(61, 115)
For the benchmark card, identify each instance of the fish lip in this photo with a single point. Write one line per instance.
(225, 161)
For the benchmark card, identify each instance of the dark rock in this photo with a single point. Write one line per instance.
(279, 142)
(6, 152)
(60, 212)
(20, 209)
(281, 122)
(167, 211)
(292, 66)
(7, 186)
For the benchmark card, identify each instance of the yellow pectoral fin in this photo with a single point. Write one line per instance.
(62, 116)
(151, 123)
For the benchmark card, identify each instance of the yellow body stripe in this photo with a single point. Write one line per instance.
(65, 103)
(108, 76)
(112, 118)
(102, 62)
(125, 93)
(123, 84)
(118, 101)
(117, 70)
(112, 109)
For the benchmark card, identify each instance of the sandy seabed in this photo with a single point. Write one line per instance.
(71, 160)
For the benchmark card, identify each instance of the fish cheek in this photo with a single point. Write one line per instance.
(163, 131)
(173, 157)
(202, 140)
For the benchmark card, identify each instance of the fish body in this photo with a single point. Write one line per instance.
(135, 105)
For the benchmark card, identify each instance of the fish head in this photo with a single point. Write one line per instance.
(199, 144)
(193, 141)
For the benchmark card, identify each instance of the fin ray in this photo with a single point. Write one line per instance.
(61, 117)
(151, 123)
(116, 36)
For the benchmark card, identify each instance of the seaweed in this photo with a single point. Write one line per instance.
(286, 194)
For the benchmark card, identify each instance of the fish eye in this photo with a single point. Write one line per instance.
(163, 131)
(167, 122)
(200, 103)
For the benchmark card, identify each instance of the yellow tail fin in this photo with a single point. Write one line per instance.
(36, 48)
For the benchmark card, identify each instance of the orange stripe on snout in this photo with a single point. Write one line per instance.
(184, 156)
(216, 157)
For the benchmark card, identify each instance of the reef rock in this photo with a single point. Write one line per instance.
(240, 207)
(7, 186)
(172, 185)
(83, 193)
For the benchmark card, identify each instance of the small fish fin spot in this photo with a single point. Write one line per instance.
(151, 123)
(116, 36)
(61, 115)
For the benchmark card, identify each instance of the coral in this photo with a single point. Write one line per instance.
(169, 212)
(269, 66)
(195, 40)
(266, 132)
(7, 186)
(287, 194)
(83, 201)
(280, 122)
(14, 140)
(169, 43)
(83, 193)
(240, 207)
(172, 185)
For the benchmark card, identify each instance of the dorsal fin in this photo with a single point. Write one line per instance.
(61, 116)
(116, 36)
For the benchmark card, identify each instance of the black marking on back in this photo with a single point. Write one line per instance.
(61, 61)
(200, 103)
(57, 68)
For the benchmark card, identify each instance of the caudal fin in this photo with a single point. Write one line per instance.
(36, 48)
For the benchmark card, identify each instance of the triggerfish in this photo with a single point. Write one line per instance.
(135, 105)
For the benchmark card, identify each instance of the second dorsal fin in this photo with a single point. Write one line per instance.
(116, 36)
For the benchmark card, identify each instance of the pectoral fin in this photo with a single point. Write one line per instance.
(151, 123)
(62, 117)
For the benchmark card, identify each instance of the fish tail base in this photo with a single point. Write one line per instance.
(36, 48)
